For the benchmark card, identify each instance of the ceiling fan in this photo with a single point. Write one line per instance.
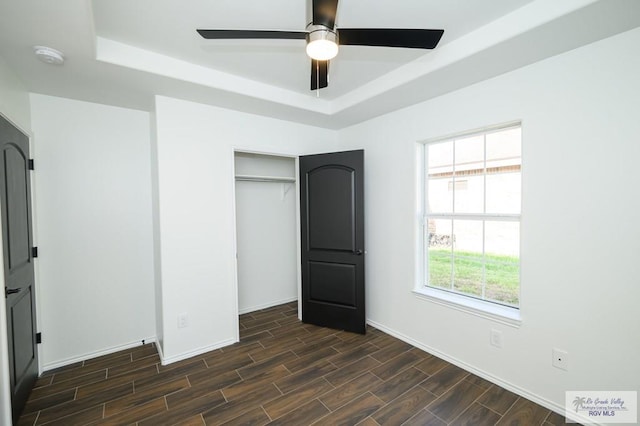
(323, 37)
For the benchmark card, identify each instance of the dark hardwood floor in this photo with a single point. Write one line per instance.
(282, 372)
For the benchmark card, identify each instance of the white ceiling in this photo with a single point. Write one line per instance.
(123, 52)
(167, 27)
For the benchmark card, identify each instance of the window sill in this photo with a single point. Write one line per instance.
(491, 311)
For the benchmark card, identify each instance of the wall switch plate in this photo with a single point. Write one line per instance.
(560, 359)
(495, 338)
(183, 320)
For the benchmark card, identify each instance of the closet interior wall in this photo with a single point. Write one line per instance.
(265, 230)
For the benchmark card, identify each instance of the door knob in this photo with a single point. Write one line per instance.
(358, 252)
(8, 291)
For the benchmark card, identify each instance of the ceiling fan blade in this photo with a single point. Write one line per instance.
(319, 74)
(324, 12)
(254, 34)
(390, 37)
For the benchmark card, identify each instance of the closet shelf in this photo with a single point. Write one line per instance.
(255, 178)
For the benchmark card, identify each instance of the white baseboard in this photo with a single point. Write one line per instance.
(195, 352)
(266, 305)
(89, 355)
(163, 359)
(560, 409)
(160, 354)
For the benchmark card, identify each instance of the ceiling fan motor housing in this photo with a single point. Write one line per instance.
(320, 32)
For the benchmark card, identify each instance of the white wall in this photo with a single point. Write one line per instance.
(196, 212)
(94, 224)
(266, 237)
(580, 285)
(14, 106)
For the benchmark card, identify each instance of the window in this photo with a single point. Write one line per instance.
(471, 226)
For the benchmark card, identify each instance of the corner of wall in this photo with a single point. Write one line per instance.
(155, 211)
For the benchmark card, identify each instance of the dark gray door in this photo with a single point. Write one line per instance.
(332, 232)
(15, 199)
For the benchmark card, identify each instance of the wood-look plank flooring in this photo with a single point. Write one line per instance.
(282, 372)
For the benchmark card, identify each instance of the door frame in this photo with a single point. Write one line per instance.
(5, 391)
(244, 150)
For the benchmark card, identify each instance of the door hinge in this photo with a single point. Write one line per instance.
(34, 251)
(38, 338)
(31, 164)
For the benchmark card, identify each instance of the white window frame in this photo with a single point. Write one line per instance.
(483, 308)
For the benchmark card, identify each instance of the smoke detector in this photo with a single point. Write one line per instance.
(48, 55)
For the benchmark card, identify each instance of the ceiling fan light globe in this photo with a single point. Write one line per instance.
(322, 43)
(322, 50)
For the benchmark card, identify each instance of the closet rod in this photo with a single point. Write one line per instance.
(254, 178)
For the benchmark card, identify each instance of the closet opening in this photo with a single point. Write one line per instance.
(267, 239)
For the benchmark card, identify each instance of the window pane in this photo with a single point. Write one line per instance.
(469, 175)
(467, 237)
(440, 268)
(504, 148)
(504, 152)
(504, 193)
(469, 194)
(502, 255)
(503, 282)
(440, 157)
(439, 196)
(467, 270)
(439, 233)
(440, 173)
(468, 275)
(502, 239)
(469, 155)
(439, 252)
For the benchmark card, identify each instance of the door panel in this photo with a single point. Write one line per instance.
(332, 233)
(331, 228)
(332, 283)
(15, 199)
(18, 227)
(23, 348)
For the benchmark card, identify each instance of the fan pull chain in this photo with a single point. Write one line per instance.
(317, 79)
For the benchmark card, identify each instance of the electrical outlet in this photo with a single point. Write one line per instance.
(560, 359)
(495, 338)
(183, 320)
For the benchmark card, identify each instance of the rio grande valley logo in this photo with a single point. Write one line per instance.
(610, 407)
